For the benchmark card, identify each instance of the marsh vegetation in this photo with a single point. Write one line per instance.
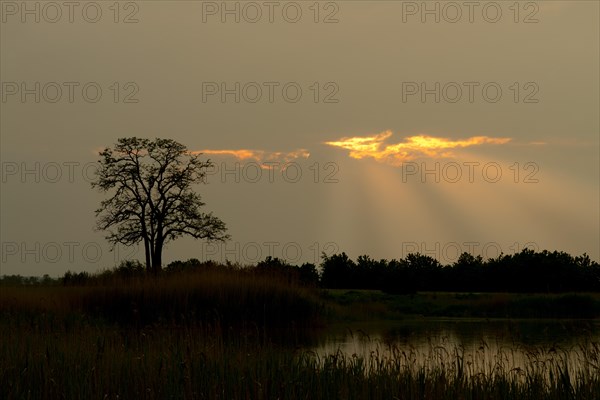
(225, 332)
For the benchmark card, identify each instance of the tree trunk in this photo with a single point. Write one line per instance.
(157, 257)
(147, 251)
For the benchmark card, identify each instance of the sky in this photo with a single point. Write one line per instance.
(379, 128)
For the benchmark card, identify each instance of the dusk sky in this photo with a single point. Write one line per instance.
(379, 128)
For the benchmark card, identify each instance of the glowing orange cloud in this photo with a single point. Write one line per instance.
(413, 147)
(258, 155)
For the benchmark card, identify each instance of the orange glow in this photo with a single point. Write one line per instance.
(241, 154)
(260, 156)
(413, 146)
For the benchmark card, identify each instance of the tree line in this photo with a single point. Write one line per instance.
(527, 271)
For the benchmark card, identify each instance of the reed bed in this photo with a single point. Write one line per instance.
(579, 363)
(108, 362)
(230, 297)
(230, 335)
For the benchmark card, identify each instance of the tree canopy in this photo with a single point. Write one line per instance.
(152, 199)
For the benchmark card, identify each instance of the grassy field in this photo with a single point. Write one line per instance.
(369, 304)
(234, 335)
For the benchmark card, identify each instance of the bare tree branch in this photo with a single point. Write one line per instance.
(152, 200)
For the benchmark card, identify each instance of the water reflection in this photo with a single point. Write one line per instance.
(483, 346)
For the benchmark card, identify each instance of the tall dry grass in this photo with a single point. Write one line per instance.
(228, 334)
(229, 297)
(107, 362)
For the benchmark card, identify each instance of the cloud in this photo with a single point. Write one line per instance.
(260, 156)
(413, 146)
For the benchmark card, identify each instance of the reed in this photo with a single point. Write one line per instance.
(234, 335)
(48, 361)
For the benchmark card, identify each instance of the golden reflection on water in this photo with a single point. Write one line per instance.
(472, 347)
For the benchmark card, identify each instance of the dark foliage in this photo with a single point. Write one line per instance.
(524, 272)
(527, 271)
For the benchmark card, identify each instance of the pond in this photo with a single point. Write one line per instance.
(476, 346)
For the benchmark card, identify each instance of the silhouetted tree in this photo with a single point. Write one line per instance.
(337, 271)
(129, 268)
(153, 201)
(425, 271)
(370, 274)
(466, 273)
(309, 275)
(399, 279)
(76, 278)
